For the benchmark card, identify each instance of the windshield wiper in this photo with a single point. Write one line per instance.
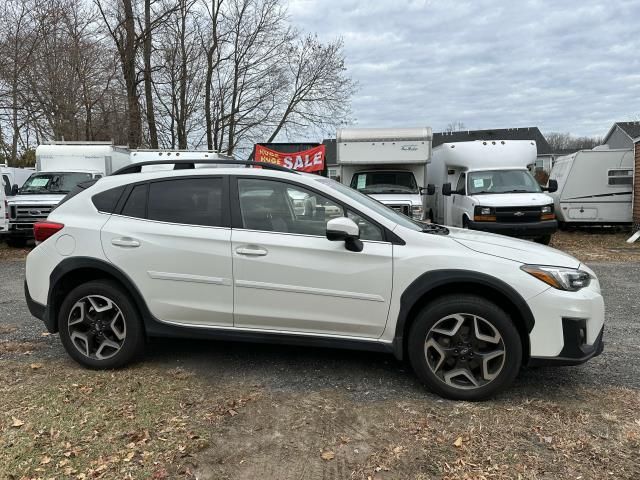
(518, 191)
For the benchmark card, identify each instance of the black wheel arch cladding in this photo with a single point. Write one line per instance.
(416, 296)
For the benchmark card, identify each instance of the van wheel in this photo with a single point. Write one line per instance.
(464, 347)
(544, 240)
(99, 326)
(465, 222)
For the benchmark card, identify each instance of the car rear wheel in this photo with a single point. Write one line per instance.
(465, 347)
(99, 326)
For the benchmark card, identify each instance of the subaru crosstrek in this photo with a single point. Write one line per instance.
(262, 254)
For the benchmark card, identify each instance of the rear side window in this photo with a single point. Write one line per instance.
(136, 205)
(620, 177)
(193, 201)
(106, 201)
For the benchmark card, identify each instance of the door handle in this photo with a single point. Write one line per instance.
(126, 242)
(251, 251)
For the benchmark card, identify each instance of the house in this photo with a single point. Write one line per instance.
(622, 135)
(636, 186)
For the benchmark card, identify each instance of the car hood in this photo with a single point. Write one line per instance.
(512, 199)
(523, 251)
(36, 199)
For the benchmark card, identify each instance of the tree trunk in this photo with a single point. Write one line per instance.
(129, 72)
(148, 93)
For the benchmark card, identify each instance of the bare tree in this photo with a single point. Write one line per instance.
(317, 89)
(456, 126)
(566, 141)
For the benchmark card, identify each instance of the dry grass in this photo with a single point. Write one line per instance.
(60, 421)
(8, 253)
(597, 245)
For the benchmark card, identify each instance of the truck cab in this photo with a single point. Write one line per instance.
(396, 188)
(38, 196)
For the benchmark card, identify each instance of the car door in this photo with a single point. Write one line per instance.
(289, 277)
(172, 238)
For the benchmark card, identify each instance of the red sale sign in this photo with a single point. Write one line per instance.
(311, 160)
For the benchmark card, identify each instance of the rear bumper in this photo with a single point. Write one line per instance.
(575, 351)
(37, 309)
(529, 229)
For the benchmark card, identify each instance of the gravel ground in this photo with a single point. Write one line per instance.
(223, 410)
(364, 374)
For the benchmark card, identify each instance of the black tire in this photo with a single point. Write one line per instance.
(544, 240)
(16, 242)
(132, 344)
(465, 222)
(469, 306)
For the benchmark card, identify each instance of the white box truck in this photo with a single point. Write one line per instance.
(9, 176)
(486, 185)
(595, 187)
(60, 166)
(389, 164)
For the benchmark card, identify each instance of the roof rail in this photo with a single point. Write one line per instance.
(184, 164)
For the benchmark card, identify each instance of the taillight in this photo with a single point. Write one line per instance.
(43, 230)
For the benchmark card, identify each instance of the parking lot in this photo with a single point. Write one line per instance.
(217, 410)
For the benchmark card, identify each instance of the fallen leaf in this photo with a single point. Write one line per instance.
(129, 456)
(328, 455)
(232, 412)
(45, 460)
(45, 334)
(35, 366)
(458, 442)
(17, 423)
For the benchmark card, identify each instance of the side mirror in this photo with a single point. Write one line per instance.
(430, 190)
(552, 187)
(14, 190)
(346, 230)
(446, 189)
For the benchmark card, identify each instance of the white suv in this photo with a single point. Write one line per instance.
(272, 255)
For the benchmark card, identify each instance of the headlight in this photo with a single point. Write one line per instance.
(485, 211)
(547, 209)
(416, 211)
(569, 279)
(484, 214)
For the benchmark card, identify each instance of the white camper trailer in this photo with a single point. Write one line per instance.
(492, 191)
(594, 187)
(389, 164)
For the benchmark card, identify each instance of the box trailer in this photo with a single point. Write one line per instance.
(389, 164)
(486, 185)
(595, 187)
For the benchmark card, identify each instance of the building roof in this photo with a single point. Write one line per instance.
(525, 133)
(631, 129)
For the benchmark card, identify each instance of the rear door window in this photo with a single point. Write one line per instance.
(192, 201)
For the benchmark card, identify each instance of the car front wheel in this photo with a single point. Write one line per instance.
(99, 326)
(464, 347)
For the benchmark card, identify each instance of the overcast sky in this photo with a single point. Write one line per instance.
(564, 65)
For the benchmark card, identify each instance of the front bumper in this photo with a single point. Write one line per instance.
(525, 229)
(20, 230)
(575, 351)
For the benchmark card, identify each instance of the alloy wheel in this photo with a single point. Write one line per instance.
(97, 327)
(465, 351)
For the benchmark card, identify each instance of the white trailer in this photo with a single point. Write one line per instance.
(389, 164)
(486, 185)
(594, 187)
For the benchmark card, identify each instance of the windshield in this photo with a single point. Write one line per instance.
(53, 182)
(373, 204)
(384, 182)
(502, 181)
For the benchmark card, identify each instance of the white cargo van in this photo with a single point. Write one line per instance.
(9, 176)
(388, 164)
(486, 185)
(60, 166)
(594, 187)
